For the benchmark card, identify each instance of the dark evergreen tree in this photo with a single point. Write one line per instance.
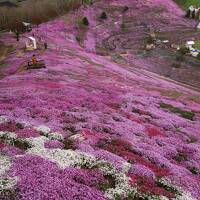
(188, 13)
(85, 21)
(103, 15)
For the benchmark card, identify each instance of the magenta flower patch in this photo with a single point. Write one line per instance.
(40, 179)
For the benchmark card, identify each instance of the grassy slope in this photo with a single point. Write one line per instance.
(187, 3)
(13, 1)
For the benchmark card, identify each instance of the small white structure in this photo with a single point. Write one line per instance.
(190, 44)
(31, 43)
(165, 41)
(175, 46)
(27, 26)
(194, 53)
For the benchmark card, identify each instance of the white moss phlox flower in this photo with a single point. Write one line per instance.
(122, 186)
(182, 195)
(125, 167)
(8, 135)
(55, 136)
(43, 129)
(37, 143)
(5, 164)
(66, 158)
(185, 196)
(7, 183)
(78, 137)
(3, 119)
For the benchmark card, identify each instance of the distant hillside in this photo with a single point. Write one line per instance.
(10, 3)
(34, 11)
(187, 3)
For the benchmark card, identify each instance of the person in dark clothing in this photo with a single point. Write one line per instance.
(45, 45)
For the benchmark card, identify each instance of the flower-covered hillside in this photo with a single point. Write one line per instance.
(87, 128)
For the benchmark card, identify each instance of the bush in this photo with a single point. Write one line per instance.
(150, 40)
(103, 15)
(123, 26)
(78, 39)
(125, 9)
(184, 50)
(198, 57)
(180, 157)
(85, 21)
(175, 65)
(194, 170)
(180, 57)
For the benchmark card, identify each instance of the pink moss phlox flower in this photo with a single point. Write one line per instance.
(53, 144)
(27, 132)
(42, 179)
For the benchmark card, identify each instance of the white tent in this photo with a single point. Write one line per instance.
(31, 43)
(190, 43)
(26, 24)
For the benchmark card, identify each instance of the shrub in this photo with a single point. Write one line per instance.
(175, 65)
(125, 8)
(167, 187)
(23, 145)
(150, 40)
(192, 139)
(180, 157)
(198, 57)
(78, 39)
(103, 15)
(184, 50)
(123, 26)
(110, 183)
(82, 21)
(17, 28)
(69, 144)
(85, 21)
(194, 170)
(180, 57)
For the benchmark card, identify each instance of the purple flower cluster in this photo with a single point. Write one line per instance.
(42, 179)
(53, 144)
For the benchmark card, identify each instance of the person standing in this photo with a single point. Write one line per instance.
(34, 59)
(45, 45)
